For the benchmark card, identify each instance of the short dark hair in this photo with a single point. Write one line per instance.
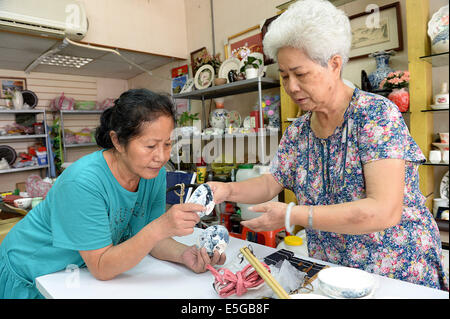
(133, 108)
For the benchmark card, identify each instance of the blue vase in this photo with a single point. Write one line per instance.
(383, 68)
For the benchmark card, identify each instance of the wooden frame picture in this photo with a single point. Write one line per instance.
(264, 30)
(378, 30)
(251, 38)
(194, 55)
(8, 85)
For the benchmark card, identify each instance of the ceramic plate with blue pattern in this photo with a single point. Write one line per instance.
(214, 238)
(203, 195)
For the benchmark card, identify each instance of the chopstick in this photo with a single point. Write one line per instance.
(265, 275)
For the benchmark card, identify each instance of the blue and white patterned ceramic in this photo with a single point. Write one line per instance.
(383, 68)
(203, 195)
(438, 31)
(214, 238)
(345, 282)
(217, 118)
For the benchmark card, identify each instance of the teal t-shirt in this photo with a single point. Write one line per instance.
(86, 209)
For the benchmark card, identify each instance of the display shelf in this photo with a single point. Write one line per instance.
(430, 110)
(264, 132)
(80, 145)
(436, 164)
(21, 169)
(81, 111)
(21, 137)
(439, 59)
(238, 87)
(3, 111)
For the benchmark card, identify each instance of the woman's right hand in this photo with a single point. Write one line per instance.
(179, 220)
(221, 191)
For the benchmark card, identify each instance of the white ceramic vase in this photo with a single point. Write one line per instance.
(17, 100)
(438, 31)
(251, 73)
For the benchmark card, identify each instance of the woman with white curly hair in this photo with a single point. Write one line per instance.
(350, 160)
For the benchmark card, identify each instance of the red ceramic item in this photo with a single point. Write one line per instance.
(401, 98)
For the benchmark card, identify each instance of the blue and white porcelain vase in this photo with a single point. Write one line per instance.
(383, 68)
(438, 31)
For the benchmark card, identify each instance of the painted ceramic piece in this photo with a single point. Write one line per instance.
(345, 282)
(217, 118)
(204, 77)
(383, 68)
(214, 238)
(227, 66)
(444, 186)
(203, 195)
(233, 119)
(438, 31)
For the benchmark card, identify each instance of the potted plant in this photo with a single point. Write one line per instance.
(186, 124)
(251, 67)
(398, 81)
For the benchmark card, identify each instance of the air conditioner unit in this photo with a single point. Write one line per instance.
(54, 18)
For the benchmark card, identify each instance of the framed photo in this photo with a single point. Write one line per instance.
(8, 85)
(178, 83)
(378, 30)
(251, 38)
(188, 86)
(194, 55)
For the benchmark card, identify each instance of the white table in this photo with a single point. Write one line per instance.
(157, 279)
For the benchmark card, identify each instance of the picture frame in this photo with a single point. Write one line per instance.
(377, 30)
(188, 86)
(8, 85)
(178, 83)
(264, 29)
(194, 55)
(251, 37)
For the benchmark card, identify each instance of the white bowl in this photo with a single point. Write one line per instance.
(345, 282)
(23, 203)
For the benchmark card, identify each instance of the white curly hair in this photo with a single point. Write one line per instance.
(315, 26)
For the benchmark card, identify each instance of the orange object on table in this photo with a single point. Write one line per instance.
(269, 236)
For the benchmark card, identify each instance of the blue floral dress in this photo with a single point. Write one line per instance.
(330, 171)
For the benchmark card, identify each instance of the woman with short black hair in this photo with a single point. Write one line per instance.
(106, 211)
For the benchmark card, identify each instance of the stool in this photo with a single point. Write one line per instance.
(269, 236)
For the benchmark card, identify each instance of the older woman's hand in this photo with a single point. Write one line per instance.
(197, 259)
(273, 217)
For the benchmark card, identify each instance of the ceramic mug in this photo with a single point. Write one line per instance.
(444, 137)
(445, 156)
(435, 157)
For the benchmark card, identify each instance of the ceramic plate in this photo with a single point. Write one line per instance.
(233, 119)
(8, 153)
(439, 106)
(214, 237)
(255, 55)
(204, 77)
(203, 195)
(345, 282)
(227, 66)
(444, 186)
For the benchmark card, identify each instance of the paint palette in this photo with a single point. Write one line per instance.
(214, 238)
(203, 195)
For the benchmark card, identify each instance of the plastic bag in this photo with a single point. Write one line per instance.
(62, 102)
(36, 187)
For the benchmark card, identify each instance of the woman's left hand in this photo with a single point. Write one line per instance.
(197, 259)
(271, 219)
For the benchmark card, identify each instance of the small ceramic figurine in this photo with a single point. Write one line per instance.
(442, 97)
(214, 238)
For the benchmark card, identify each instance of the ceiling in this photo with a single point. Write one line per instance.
(19, 51)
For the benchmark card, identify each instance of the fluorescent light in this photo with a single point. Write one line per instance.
(66, 61)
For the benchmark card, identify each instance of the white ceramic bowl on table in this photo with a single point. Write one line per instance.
(345, 282)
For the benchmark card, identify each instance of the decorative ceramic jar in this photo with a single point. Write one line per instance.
(217, 118)
(442, 97)
(438, 31)
(383, 68)
(401, 98)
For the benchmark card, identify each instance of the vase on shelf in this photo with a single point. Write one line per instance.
(401, 98)
(383, 68)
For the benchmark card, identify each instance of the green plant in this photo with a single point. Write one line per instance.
(187, 119)
(251, 62)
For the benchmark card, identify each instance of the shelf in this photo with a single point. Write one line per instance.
(80, 145)
(29, 168)
(21, 111)
(237, 135)
(438, 164)
(443, 110)
(233, 88)
(21, 137)
(81, 112)
(439, 59)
